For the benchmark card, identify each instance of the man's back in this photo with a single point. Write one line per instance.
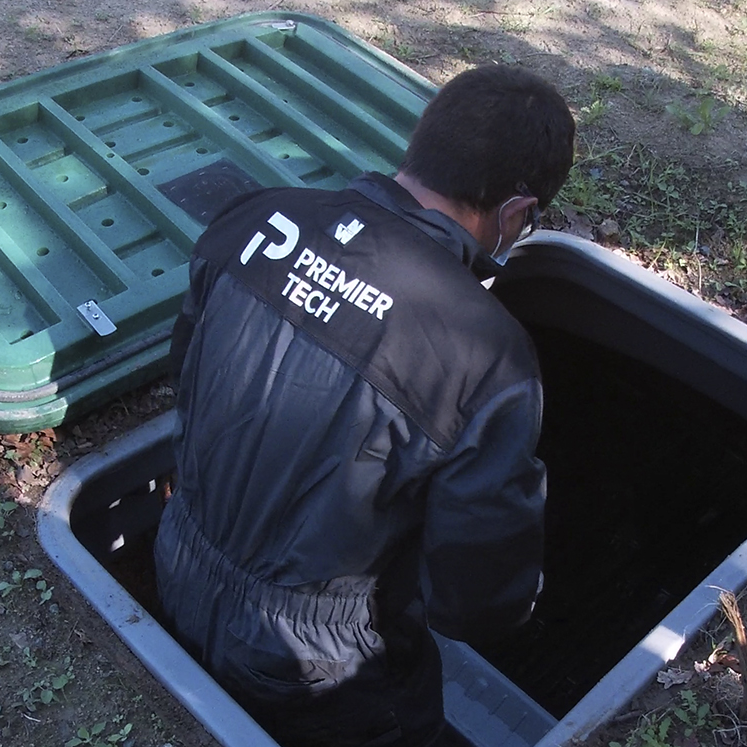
(346, 384)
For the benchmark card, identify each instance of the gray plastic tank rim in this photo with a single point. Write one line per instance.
(574, 253)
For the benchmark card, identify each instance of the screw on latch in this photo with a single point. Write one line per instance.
(284, 25)
(94, 314)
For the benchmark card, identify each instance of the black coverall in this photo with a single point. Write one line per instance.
(356, 414)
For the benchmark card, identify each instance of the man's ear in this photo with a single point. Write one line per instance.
(504, 221)
(517, 204)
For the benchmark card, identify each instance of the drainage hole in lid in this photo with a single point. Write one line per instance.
(284, 155)
(234, 117)
(22, 140)
(202, 151)
(62, 177)
(156, 271)
(3, 205)
(110, 143)
(80, 117)
(42, 251)
(107, 222)
(143, 172)
(189, 83)
(168, 123)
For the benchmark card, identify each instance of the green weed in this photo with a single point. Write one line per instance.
(587, 190)
(703, 118)
(28, 657)
(94, 737)
(16, 582)
(515, 24)
(668, 727)
(603, 82)
(6, 509)
(45, 691)
(693, 714)
(195, 13)
(593, 113)
(33, 33)
(469, 53)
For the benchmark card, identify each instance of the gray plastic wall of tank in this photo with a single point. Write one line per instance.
(644, 315)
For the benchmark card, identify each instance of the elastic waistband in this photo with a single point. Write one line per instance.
(338, 601)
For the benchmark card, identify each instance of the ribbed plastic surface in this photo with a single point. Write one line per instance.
(485, 707)
(111, 166)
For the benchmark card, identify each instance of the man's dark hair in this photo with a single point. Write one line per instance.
(488, 130)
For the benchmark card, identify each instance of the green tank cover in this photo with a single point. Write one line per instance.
(111, 166)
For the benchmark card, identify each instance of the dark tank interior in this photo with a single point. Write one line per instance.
(647, 484)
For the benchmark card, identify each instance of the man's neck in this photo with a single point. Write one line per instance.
(467, 217)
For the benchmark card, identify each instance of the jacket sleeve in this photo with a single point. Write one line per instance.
(484, 532)
(201, 276)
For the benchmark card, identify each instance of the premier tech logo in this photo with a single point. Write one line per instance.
(316, 285)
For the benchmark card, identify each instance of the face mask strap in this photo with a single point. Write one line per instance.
(502, 257)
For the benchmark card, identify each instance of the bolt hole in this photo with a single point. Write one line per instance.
(80, 117)
(156, 272)
(63, 178)
(22, 140)
(202, 151)
(284, 155)
(189, 83)
(143, 172)
(107, 222)
(110, 155)
(168, 123)
(42, 251)
(234, 117)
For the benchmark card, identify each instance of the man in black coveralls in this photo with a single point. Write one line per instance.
(358, 418)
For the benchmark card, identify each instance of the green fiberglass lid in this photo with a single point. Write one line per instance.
(111, 166)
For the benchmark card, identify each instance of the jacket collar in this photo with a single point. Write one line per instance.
(390, 195)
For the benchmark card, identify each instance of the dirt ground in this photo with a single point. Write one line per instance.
(659, 90)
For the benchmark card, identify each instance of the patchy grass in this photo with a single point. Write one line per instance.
(689, 224)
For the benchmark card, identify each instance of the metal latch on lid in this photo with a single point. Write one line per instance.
(100, 322)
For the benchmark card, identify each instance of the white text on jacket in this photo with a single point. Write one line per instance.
(333, 279)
